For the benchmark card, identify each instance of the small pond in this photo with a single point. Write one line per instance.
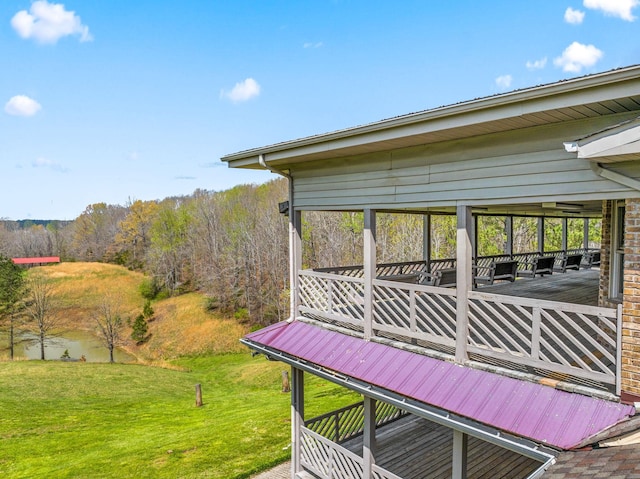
(78, 343)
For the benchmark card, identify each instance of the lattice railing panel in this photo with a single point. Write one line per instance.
(333, 295)
(560, 337)
(379, 473)
(327, 459)
(421, 312)
(586, 341)
(348, 422)
(502, 326)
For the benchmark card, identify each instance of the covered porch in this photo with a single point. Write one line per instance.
(548, 326)
(409, 446)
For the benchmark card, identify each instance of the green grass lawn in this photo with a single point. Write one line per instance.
(88, 420)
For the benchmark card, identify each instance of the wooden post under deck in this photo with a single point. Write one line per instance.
(459, 458)
(565, 234)
(297, 418)
(464, 280)
(369, 437)
(369, 269)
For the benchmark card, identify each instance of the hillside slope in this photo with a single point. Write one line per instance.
(180, 326)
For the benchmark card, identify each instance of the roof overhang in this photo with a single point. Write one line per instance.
(518, 415)
(596, 95)
(618, 143)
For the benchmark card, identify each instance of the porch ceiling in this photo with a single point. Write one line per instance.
(528, 410)
(564, 209)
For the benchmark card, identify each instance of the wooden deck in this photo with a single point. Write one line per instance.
(579, 287)
(414, 448)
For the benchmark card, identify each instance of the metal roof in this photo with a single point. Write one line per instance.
(37, 260)
(608, 93)
(534, 411)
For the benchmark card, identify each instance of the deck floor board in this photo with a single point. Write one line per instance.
(414, 448)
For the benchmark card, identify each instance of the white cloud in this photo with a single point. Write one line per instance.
(578, 56)
(537, 64)
(614, 8)
(48, 22)
(504, 81)
(243, 91)
(312, 45)
(574, 17)
(42, 162)
(21, 105)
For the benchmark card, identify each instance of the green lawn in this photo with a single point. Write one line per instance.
(88, 420)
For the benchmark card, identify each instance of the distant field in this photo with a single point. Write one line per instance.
(90, 420)
(83, 420)
(180, 326)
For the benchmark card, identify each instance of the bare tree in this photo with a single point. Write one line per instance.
(110, 324)
(41, 309)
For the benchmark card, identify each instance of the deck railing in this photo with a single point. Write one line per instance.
(348, 422)
(332, 297)
(408, 267)
(568, 339)
(414, 311)
(560, 337)
(329, 460)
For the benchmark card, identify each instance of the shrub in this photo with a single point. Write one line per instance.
(140, 328)
(149, 288)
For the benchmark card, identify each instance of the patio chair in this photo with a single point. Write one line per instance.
(569, 261)
(591, 258)
(497, 271)
(445, 278)
(541, 265)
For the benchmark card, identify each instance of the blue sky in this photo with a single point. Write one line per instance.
(124, 100)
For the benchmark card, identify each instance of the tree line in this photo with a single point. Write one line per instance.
(232, 245)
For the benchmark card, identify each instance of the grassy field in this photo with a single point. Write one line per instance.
(84, 420)
(90, 420)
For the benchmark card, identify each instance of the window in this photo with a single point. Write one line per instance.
(617, 251)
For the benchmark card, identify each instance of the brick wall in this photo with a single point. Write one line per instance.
(631, 301)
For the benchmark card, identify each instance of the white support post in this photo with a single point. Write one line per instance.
(369, 269)
(474, 238)
(295, 258)
(464, 280)
(541, 234)
(508, 224)
(585, 234)
(565, 234)
(369, 437)
(297, 418)
(459, 459)
(426, 240)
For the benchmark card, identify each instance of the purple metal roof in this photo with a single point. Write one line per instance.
(541, 413)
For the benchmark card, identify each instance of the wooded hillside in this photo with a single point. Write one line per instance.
(233, 245)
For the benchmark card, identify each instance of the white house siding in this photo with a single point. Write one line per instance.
(519, 167)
